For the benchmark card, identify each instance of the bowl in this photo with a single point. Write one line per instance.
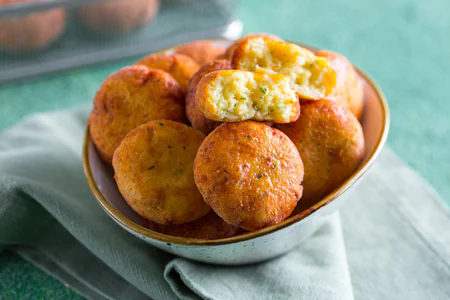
(253, 246)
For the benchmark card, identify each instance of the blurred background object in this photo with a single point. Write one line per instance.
(117, 17)
(58, 35)
(32, 32)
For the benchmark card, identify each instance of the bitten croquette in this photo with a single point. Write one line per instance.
(233, 95)
(311, 76)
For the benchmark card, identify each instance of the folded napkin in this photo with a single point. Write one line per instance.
(391, 240)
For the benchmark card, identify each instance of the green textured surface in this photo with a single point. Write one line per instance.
(21, 280)
(403, 44)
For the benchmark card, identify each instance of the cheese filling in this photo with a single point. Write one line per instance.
(311, 76)
(239, 95)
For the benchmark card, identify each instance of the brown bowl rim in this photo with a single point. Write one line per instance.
(130, 225)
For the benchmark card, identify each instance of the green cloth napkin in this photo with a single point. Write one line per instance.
(393, 243)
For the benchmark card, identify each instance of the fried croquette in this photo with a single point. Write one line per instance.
(117, 17)
(331, 143)
(199, 121)
(128, 98)
(31, 32)
(180, 66)
(201, 51)
(210, 226)
(229, 53)
(234, 95)
(349, 90)
(311, 76)
(249, 173)
(153, 171)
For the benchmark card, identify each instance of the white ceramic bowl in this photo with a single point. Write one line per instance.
(254, 246)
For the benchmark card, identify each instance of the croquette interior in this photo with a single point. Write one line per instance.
(311, 76)
(239, 95)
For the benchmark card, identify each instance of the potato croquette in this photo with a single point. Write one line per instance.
(153, 171)
(311, 76)
(180, 66)
(349, 90)
(131, 97)
(118, 16)
(234, 95)
(31, 32)
(249, 173)
(229, 53)
(210, 226)
(331, 143)
(201, 51)
(198, 121)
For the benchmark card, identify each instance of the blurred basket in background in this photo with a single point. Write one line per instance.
(42, 36)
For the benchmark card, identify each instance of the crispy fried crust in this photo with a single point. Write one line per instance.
(349, 90)
(331, 143)
(249, 173)
(234, 95)
(128, 98)
(229, 53)
(211, 226)
(311, 76)
(153, 170)
(180, 66)
(203, 52)
(199, 121)
(118, 16)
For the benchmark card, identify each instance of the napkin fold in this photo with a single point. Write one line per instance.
(393, 241)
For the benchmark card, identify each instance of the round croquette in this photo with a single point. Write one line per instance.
(349, 90)
(153, 171)
(331, 143)
(180, 66)
(199, 121)
(201, 51)
(249, 173)
(128, 98)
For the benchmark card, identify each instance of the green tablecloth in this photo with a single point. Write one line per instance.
(403, 44)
